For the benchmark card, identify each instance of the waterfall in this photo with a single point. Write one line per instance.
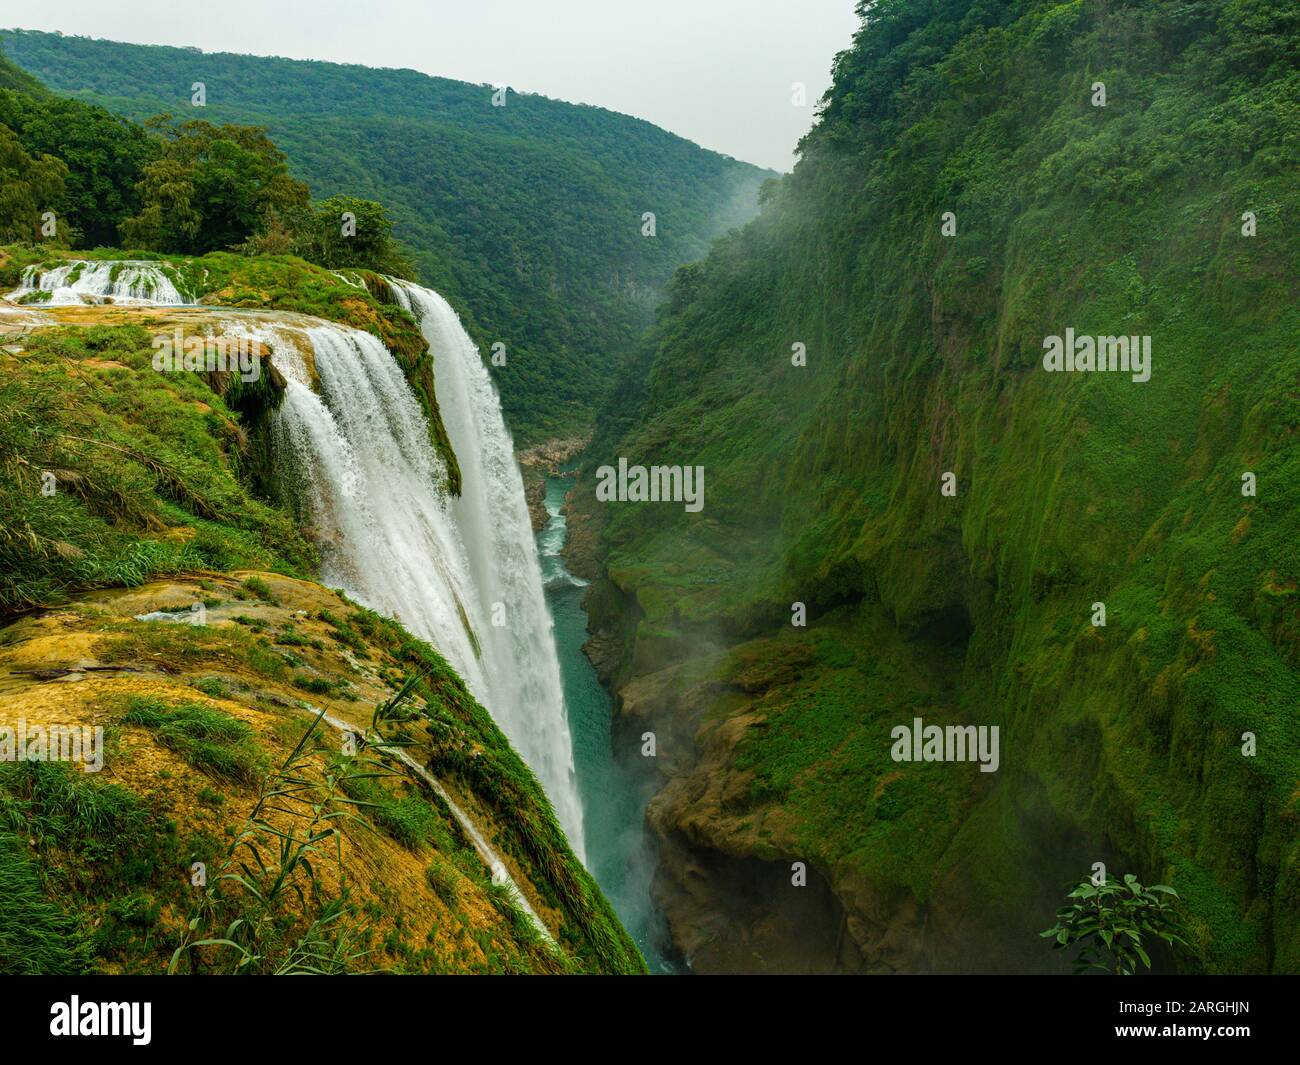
(358, 461)
(88, 281)
(461, 573)
(523, 686)
(352, 449)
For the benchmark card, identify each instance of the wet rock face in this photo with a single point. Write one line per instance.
(744, 915)
(728, 910)
(742, 893)
(739, 893)
(550, 455)
(539, 462)
(581, 545)
(535, 497)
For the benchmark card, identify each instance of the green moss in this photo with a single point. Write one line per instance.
(924, 357)
(211, 741)
(467, 746)
(105, 461)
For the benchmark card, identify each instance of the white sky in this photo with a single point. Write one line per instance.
(718, 72)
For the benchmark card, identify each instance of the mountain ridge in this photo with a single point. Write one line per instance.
(528, 217)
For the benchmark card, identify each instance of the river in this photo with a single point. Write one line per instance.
(619, 854)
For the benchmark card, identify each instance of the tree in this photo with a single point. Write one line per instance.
(210, 188)
(104, 153)
(1110, 919)
(345, 231)
(28, 188)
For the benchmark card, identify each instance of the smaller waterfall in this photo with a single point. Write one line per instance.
(107, 281)
(460, 573)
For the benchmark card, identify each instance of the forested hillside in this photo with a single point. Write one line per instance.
(139, 468)
(1109, 167)
(528, 215)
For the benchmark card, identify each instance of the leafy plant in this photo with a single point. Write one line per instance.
(1109, 920)
(269, 873)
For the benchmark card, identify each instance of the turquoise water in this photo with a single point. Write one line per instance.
(613, 800)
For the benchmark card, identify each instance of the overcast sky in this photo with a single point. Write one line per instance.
(718, 72)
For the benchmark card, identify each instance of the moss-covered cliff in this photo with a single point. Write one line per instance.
(283, 283)
(152, 587)
(1161, 213)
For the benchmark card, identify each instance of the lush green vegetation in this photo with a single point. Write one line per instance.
(1122, 742)
(37, 938)
(466, 745)
(1109, 922)
(340, 232)
(244, 922)
(208, 188)
(185, 187)
(285, 283)
(102, 157)
(211, 741)
(527, 217)
(128, 456)
(66, 836)
(27, 187)
(56, 809)
(212, 188)
(111, 473)
(230, 831)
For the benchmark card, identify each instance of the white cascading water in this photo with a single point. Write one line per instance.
(522, 672)
(86, 281)
(359, 460)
